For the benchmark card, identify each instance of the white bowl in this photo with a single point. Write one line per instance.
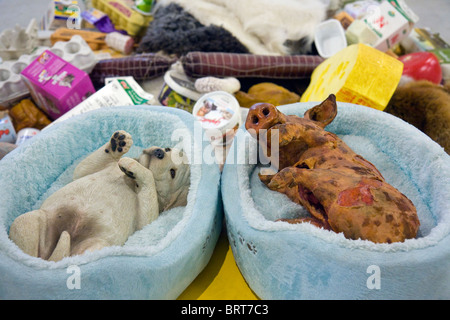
(329, 38)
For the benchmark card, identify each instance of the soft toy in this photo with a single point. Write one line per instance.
(426, 106)
(110, 198)
(342, 191)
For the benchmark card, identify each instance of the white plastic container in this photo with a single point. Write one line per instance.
(178, 91)
(329, 38)
(26, 134)
(219, 114)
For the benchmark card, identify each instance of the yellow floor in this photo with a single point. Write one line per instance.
(221, 279)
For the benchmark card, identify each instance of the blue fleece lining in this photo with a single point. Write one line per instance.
(157, 262)
(284, 261)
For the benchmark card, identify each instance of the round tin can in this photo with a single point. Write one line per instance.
(219, 114)
(26, 134)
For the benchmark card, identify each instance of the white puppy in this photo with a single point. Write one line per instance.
(110, 198)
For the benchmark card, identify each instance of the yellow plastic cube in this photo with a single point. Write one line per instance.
(358, 74)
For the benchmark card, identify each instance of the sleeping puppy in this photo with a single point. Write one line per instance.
(110, 198)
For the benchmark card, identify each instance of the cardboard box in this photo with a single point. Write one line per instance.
(391, 22)
(56, 85)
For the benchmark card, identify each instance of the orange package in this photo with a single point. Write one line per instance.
(25, 114)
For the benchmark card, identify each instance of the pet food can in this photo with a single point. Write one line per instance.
(26, 134)
(178, 91)
(219, 114)
(7, 131)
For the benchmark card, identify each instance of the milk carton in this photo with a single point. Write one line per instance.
(391, 21)
(56, 85)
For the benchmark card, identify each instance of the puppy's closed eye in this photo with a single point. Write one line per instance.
(172, 173)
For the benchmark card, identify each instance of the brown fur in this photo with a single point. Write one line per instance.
(425, 106)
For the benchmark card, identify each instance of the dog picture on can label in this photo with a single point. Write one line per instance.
(109, 199)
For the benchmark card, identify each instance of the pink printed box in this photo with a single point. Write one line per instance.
(56, 85)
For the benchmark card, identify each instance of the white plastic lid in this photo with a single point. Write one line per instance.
(179, 83)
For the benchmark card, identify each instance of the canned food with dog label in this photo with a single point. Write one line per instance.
(219, 114)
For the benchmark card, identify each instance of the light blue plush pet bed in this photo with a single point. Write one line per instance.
(284, 261)
(157, 262)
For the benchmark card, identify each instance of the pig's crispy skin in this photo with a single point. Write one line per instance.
(342, 191)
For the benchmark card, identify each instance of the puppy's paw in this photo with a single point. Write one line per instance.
(119, 143)
(128, 165)
(136, 171)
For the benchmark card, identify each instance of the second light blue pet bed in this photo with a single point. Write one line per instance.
(157, 262)
(285, 261)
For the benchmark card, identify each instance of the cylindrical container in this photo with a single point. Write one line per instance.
(26, 134)
(119, 42)
(178, 91)
(7, 131)
(220, 116)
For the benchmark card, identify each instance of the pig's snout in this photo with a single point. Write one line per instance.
(262, 116)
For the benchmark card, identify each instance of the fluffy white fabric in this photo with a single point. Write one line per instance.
(263, 26)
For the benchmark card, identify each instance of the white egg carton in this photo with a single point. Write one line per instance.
(18, 41)
(77, 52)
(12, 87)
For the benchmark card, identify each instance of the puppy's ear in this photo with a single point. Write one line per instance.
(323, 113)
(144, 159)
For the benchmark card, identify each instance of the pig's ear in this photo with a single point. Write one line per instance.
(323, 113)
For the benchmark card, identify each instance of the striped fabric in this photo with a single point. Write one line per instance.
(141, 66)
(219, 64)
(147, 66)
